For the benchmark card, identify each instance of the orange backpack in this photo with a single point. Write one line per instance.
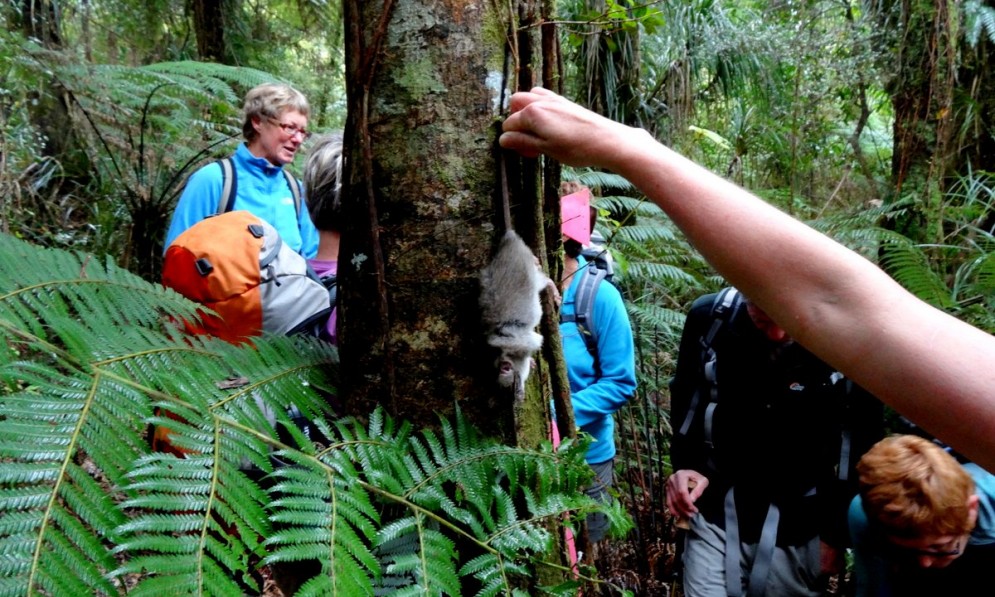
(237, 266)
(249, 281)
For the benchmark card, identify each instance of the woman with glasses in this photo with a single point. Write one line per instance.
(275, 127)
(923, 523)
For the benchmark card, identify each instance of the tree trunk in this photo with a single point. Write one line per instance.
(39, 19)
(49, 106)
(209, 25)
(917, 93)
(975, 116)
(922, 93)
(422, 209)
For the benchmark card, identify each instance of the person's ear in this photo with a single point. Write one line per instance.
(257, 123)
(972, 509)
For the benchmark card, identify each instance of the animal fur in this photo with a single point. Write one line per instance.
(510, 308)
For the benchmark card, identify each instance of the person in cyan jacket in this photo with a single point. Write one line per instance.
(275, 127)
(602, 382)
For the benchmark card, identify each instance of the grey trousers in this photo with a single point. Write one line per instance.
(794, 571)
(604, 477)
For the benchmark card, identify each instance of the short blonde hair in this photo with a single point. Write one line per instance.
(271, 100)
(914, 488)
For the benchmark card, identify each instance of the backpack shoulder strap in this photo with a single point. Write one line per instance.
(846, 436)
(583, 313)
(331, 283)
(600, 258)
(229, 185)
(295, 190)
(724, 308)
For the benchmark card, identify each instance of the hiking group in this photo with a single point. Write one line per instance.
(240, 243)
(778, 452)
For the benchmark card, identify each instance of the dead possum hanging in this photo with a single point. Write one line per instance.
(510, 307)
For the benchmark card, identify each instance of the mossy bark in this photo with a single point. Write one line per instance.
(423, 210)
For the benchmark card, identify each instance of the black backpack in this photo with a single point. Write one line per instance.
(599, 268)
(725, 307)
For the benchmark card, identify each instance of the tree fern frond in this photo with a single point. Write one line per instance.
(660, 272)
(623, 204)
(93, 357)
(417, 556)
(910, 267)
(644, 234)
(603, 183)
(978, 18)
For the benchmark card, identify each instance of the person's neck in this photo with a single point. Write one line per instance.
(257, 152)
(570, 266)
(328, 245)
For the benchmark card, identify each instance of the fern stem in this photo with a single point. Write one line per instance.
(35, 340)
(63, 476)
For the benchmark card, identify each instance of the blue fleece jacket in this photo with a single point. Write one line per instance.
(595, 399)
(262, 190)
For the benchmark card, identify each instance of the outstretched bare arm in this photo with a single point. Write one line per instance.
(934, 368)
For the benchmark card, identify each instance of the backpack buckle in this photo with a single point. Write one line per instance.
(203, 266)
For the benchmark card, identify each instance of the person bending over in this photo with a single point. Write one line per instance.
(765, 441)
(923, 523)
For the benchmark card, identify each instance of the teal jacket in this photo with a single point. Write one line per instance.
(873, 570)
(262, 190)
(595, 399)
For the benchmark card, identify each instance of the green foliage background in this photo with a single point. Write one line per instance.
(793, 100)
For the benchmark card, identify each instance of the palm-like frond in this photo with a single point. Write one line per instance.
(602, 183)
(144, 129)
(92, 357)
(978, 19)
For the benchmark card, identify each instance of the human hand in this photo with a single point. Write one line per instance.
(542, 122)
(684, 487)
(830, 559)
(554, 292)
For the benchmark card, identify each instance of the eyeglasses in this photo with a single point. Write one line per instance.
(958, 545)
(292, 129)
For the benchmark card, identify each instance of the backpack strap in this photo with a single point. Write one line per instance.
(583, 313)
(600, 258)
(725, 306)
(846, 436)
(763, 557)
(229, 187)
(331, 283)
(295, 190)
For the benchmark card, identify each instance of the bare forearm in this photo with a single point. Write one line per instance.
(833, 301)
(935, 369)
